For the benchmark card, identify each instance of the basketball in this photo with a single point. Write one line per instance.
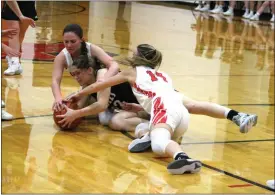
(74, 124)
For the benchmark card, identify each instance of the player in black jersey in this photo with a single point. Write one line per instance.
(108, 103)
(118, 108)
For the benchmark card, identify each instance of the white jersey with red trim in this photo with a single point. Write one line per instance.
(155, 93)
(69, 60)
(150, 84)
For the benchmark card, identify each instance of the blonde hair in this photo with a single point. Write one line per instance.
(146, 55)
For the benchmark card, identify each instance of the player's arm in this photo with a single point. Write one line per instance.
(107, 60)
(58, 68)
(121, 77)
(102, 99)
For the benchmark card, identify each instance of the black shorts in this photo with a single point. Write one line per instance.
(27, 8)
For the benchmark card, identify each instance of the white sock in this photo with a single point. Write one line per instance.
(14, 59)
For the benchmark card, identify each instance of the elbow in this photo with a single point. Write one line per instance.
(115, 66)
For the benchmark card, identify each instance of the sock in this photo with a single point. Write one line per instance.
(251, 12)
(246, 10)
(226, 112)
(257, 14)
(231, 114)
(180, 155)
(14, 59)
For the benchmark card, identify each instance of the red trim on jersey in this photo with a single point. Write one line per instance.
(149, 94)
(159, 112)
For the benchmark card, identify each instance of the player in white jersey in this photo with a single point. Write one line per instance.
(169, 118)
(74, 47)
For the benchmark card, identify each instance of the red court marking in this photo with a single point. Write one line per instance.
(39, 51)
(240, 185)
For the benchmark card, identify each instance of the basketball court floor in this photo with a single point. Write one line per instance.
(210, 58)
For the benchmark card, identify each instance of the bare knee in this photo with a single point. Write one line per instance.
(193, 107)
(117, 122)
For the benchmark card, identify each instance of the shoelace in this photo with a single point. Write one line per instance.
(239, 118)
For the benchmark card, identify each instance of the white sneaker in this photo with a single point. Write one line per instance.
(140, 144)
(14, 68)
(216, 6)
(272, 19)
(245, 121)
(2, 104)
(251, 14)
(270, 183)
(198, 7)
(255, 17)
(245, 14)
(229, 12)
(219, 10)
(205, 8)
(6, 116)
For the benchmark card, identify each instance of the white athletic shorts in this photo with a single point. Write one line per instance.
(171, 112)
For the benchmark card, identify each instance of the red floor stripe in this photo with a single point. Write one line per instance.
(240, 185)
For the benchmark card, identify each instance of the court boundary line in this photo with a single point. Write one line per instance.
(229, 142)
(219, 170)
(238, 177)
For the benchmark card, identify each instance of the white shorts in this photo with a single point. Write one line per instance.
(171, 112)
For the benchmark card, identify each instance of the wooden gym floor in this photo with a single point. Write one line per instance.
(210, 58)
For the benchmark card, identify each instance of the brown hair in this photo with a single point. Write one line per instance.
(146, 55)
(76, 29)
(85, 62)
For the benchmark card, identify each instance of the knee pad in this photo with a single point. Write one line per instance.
(105, 117)
(141, 127)
(160, 138)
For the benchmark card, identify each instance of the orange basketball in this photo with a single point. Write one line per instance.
(74, 124)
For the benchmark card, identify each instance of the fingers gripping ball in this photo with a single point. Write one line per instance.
(74, 124)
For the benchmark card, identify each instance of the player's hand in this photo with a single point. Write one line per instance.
(9, 33)
(57, 105)
(131, 107)
(74, 98)
(68, 117)
(27, 20)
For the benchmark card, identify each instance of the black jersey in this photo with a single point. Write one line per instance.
(120, 93)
